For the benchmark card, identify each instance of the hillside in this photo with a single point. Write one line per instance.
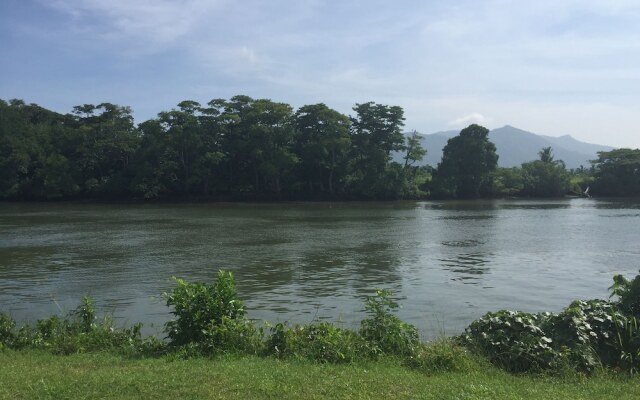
(516, 146)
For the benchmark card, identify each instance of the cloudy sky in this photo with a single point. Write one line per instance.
(552, 67)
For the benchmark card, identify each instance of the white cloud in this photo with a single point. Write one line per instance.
(150, 24)
(473, 118)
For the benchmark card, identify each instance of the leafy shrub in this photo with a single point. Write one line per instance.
(232, 335)
(78, 332)
(210, 318)
(629, 346)
(589, 329)
(628, 293)
(385, 332)
(321, 342)
(584, 335)
(7, 337)
(198, 306)
(442, 356)
(628, 332)
(513, 340)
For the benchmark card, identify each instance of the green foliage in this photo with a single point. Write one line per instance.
(628, 332)
(443, 355)
(200, 307)
(322, 145)
(589, 329)
(7, 336)
(545, 177)
(376, 132)
(585, 335)
(507, 182)
(513, 340)
(210, 320)
(617, 173)
(322, 342)
(78, 332)
(629, 346)
(386, 333)
(467, 163)
(232, 335)
(628, 293)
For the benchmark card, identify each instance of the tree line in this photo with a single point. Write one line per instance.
(258, 149)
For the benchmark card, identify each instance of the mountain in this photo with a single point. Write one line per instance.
(516, 146)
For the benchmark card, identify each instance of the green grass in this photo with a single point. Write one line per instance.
(40, 375)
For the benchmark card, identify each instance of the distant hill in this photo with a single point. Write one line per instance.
(516, 146)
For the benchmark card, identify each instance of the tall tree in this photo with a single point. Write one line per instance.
(617, 173)
(414, 151)
(322, 145)
(467, 163)
(545, 177)
(33, 157)
(108, 138)
(376, 132)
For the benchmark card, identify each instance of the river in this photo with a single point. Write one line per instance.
(447, 262)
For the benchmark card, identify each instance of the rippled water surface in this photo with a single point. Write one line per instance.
(448, 262)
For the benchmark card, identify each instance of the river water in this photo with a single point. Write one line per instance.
(447, 262)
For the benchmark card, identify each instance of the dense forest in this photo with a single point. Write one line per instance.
(257, 149)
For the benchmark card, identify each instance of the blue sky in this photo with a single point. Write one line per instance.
(550, 67)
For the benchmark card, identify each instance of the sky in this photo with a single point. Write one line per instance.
(552, 67)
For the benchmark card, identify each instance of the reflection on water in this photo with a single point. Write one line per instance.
(467, 267)
(462, 243)
(448, 262)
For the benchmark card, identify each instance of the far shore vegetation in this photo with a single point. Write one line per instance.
(258, 149)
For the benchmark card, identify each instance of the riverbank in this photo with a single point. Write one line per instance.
(40, 375)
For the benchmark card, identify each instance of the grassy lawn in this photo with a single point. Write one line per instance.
(39, 375)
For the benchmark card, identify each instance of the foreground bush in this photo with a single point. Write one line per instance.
(386, 333)
(586, 335)
(513, 340)
(77, 332)
(210, 319)
(323, 342)
(444, 355)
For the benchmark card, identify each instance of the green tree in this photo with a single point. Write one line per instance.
(507, 181)
(271, 130)
(258, 145)
(322, 144)
(414, 177)
(107, 140)
(376, 132)
(467, 163)
(414, 151)
(617, 173)
(545, 177)
(35, 159)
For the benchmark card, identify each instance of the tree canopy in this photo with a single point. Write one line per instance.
(259, 149)
(241, 148)
(545, 177)
(467, 163)
(617, 173)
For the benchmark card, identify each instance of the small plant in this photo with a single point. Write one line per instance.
(78, 332)
(322, 342)
(628, 293)
(628, 341)
(443, 355)
(86, 315)
(7, 337)
(232, 335)
(198, 307)
(384, 331)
